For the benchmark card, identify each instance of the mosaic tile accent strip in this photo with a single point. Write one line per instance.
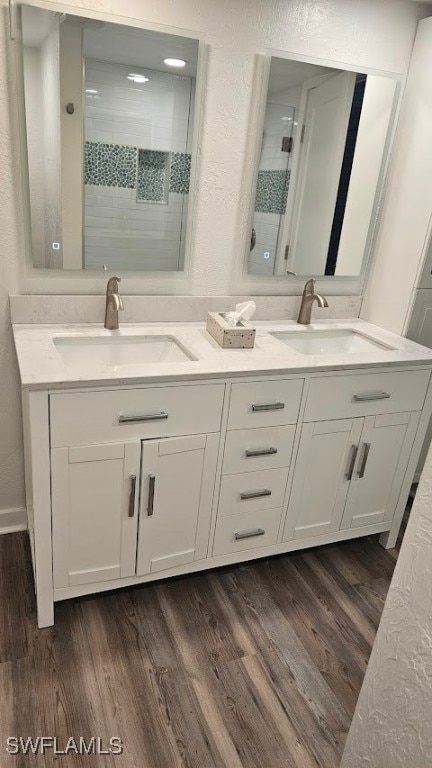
(118, 165)
(180, 173)
(110, 165)
(272, 191)
(152, 173)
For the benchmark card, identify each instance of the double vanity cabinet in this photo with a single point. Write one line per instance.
(131, 482)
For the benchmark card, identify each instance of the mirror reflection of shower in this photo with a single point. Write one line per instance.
(324, 138)
(273, 181)
(110, 118)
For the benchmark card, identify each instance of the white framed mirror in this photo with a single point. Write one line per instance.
(111, 128)
(320, 167)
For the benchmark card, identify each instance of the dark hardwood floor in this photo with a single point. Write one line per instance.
(253, 665)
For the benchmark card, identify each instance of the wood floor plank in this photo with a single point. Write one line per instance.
(325, 739)
(337, 611)
(369, 611)
(205, 632)
(374, 593)
(332, 591)
(7, 714)
(249, 723)
(127, 679)
(197, 738)
(357, 565)
(376, 561)
(15, 581)
(266, 694)
(251, 666)
(319, 716)
(340, 664)
(59, 674)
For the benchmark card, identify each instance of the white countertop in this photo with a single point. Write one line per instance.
(41, 366)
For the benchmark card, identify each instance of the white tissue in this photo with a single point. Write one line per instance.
(243, 311)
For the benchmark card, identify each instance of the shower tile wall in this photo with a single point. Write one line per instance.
(128, 117)
(272, 186)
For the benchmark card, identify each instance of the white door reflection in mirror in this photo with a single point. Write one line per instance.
(110, 138)
(323, 149)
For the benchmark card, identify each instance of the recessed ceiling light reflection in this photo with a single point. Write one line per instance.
(91, 91)
(179, 63)
(136, 78)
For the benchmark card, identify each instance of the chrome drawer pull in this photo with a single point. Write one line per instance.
(151, 493)
(362, 470)
(262, 452)
(268, 407)
(132, 496)
(352, 461)
(143, 417)
(371, 396)
(255, 494)
(248, 534)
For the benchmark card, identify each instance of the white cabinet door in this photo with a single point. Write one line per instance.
(325, 460)
(94, 512)
(384, 450)
(177, 485)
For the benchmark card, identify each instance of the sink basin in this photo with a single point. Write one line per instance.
(343, 341)
(114, 351)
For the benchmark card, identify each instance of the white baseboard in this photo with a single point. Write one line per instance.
(12, 520)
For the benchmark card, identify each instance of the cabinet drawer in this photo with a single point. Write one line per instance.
(126, 414)
(252, 491)
(337, 397)
(265, 403)
(249, 450)
(246, 530)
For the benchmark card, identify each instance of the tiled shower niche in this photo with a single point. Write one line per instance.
(153, 176)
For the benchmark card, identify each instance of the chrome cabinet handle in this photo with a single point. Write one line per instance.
(248, 534)
(268, 407)
(255, 494)
(260, 452)
(371, 396)
(151, 493)
(351, 462)
(143, 417)
(132, 496)
(362, 470)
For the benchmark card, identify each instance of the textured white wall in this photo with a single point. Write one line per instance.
(406, 216)
(373, 33)
(392, 722)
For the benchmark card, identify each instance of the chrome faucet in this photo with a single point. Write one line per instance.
(113, 304)
(308, 298)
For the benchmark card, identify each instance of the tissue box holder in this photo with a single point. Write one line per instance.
(240, 336)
